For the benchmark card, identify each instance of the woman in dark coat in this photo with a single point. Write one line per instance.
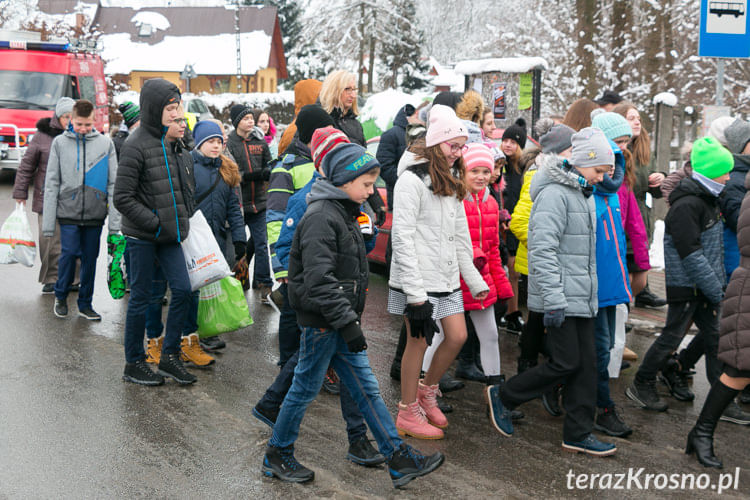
(734, 348)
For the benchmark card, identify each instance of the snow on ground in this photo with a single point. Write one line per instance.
(500, 64)
(383, 106)
(209, 55)
(666, 98)
(656, 252)
(156, 20)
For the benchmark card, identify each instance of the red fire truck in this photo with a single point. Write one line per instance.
(34, 75)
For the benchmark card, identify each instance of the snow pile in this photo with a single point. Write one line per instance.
(154, 19)
(209, 55)
(501, 64)
(383, 106)
(666, 98)
(656, 252)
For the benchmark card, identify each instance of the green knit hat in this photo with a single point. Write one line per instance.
(710, 159)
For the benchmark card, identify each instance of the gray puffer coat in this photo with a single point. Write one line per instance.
(562, 242)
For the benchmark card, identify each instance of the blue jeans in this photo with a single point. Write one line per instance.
(289, 332)
(604, 332)
(318, 350)
(143, 258)
(277, 391)
(78, 241)
(154, 325)
(257, 245)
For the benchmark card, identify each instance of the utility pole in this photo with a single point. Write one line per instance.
(239, 49)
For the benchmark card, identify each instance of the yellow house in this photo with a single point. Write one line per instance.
(166, 41)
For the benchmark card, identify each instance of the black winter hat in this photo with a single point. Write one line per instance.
(450, 99)
(311, 118)
(237, 113)
(517, 132)
(609, 97)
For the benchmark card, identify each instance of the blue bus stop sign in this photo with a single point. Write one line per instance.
(725, 29)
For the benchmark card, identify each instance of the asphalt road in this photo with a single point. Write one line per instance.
(71, 428)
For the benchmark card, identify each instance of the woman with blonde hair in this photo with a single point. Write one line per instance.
(338, 96)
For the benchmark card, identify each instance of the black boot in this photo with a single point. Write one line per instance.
(467, 369)
(499, 380)
(450, 384)
(396, 365)
(701, 438)
(647, 299)
(745, 396)
(524, 364)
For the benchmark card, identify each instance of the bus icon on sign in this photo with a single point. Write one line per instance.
(735, 9)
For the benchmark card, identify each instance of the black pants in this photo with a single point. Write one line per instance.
(679, 315)
(573, 363)
(532, 339)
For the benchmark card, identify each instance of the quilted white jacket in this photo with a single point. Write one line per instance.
(430, 239)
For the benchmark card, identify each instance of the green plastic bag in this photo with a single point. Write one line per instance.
(222, 308)
(115, 275)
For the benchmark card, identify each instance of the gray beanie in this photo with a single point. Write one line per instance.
(591, 149)
(64, 105)
(738, 135)
(557, 139)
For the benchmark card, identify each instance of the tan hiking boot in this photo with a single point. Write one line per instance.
(193, 352)
(153, 350)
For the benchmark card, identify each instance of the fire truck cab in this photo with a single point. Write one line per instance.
(34, 75)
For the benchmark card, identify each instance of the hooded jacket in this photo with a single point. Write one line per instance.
(305, 92)
(562, 243)
(34, 162)
(430, 238)
(80, 181)
(221, 205)
(154, 187)
(611, 247)
(734, 333)
(289, 174)
(482, 216)
(252, 156)
(392, 146)
(327, 264)
(693, 245)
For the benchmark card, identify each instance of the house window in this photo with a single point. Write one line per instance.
(221, 85)
(262, 84)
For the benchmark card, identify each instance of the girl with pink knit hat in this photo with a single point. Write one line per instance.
(431, 246)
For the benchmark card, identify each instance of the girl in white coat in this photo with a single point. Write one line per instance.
(431, 246)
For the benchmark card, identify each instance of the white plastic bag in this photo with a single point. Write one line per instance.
(203, 257)
(16, 240)
(615, 353)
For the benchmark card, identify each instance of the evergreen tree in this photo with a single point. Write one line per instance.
(401, 55)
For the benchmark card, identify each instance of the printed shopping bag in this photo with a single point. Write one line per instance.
(203, 257)
(16, 239)
(222, 308)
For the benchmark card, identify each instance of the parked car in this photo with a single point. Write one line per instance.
(197, 106)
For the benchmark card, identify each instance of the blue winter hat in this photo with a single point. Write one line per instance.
(206, 130)
(613, 125)
(347, 162)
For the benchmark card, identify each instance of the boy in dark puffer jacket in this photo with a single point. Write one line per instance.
(695, 278)
(327, 287)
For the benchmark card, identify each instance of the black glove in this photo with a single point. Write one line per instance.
(504, 254)
(266, 174)
(239, 249)
(421, 322)
(380, 217)
(354, 338)
(554, 318)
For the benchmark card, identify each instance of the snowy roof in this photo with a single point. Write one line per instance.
(446, 77)
(154, 19)
(209, 55)
(383, 106)
(500, 64)
(64, 11)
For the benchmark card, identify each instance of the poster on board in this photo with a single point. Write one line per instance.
(498, 99)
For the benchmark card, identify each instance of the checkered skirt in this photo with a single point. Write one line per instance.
(442, 306)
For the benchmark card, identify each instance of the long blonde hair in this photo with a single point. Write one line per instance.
(333, 87)
(640, 144)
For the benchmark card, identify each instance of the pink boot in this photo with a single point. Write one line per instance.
(427, 399)
(411, 421)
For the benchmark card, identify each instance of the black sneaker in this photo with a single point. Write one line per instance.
(61, 308)
(89, 314)
(140, 373)
(468, 370)
(609, 422)
(48, 289)
(644, 393)
(75, 288)
(676, 382)
(745, 396)
(734, 414)
(212, 343)
(280, 462)
(408, 463)
(514, 323)
(170, 365)
(551, 401)
(268, 417)
(647, 299)
(361, 452)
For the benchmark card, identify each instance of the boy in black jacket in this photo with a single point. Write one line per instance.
(327, 287)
